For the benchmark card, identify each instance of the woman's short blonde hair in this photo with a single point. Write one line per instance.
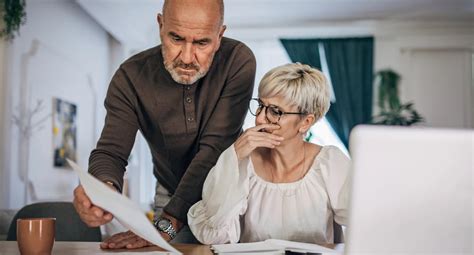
(300, 85)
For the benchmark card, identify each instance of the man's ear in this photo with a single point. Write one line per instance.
(221, 34)
(159, 18)
(222, 30)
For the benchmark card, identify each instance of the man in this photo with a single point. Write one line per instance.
(188, 97)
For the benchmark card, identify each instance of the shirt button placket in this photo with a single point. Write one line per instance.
(189, 108)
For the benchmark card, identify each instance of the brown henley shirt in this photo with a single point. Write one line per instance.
(187, 127)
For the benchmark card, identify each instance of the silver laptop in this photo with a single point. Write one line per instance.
(412, 191)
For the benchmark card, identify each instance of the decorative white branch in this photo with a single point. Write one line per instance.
(23, 120)
(25, 123)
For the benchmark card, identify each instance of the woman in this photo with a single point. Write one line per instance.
(271, 183)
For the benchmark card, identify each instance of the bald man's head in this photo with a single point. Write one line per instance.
(191, 33)
(216, 5)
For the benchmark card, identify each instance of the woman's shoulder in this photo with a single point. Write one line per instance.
(330, 156)
(332, 152)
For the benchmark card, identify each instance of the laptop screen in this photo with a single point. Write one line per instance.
(412, 191)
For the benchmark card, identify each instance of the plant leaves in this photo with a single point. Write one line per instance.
(392, 112)
(14, 15)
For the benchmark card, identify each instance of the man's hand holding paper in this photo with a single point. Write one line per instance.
(92, 215)
(103, 200)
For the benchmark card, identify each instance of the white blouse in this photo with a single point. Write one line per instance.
(238, 205)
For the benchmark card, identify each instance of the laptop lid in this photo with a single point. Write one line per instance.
(412, 191)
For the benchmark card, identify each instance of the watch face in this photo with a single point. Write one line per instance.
(163, 224)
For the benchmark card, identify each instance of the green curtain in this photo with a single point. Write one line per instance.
(303, 50)
(350, 65)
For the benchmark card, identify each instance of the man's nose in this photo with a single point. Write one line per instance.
(187, 53)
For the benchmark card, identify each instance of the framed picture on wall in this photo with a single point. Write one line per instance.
(64, 132)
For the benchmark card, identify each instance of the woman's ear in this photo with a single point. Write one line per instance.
(306, 123)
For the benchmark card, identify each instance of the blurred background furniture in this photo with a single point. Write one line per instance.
(6, 217)
(338, 233)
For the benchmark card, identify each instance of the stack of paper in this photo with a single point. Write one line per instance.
(272, 246)
(123, 209)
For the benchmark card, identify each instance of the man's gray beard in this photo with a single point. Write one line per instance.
(179, 79)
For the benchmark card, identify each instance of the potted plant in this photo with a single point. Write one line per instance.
(392, 112)
(14, 15)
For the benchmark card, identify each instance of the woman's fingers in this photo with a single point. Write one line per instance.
(263, 143)
(253, 138)
(264, 127)
(258, 136)
(263, 130)
(255, 142)
(264, 136)
(246, 144)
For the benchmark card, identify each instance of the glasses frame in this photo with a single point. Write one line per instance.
(261, 105)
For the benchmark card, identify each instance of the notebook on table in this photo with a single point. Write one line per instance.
(273, 246)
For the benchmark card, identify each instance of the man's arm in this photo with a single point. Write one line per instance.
(223, 128)
(108, 160)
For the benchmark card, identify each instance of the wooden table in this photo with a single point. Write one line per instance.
(73, 248)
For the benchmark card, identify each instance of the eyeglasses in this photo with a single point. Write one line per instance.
(272, 112)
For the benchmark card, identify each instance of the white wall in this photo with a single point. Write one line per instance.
(62, 52)
(443, 79)
(434, 61)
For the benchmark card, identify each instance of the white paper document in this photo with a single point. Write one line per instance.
(272, 246)
(123, 209)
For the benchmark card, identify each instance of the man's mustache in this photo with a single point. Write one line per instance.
(186, 66)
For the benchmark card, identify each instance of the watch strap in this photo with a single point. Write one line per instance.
(170, 231)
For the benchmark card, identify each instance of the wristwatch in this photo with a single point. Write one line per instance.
(164, 225)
